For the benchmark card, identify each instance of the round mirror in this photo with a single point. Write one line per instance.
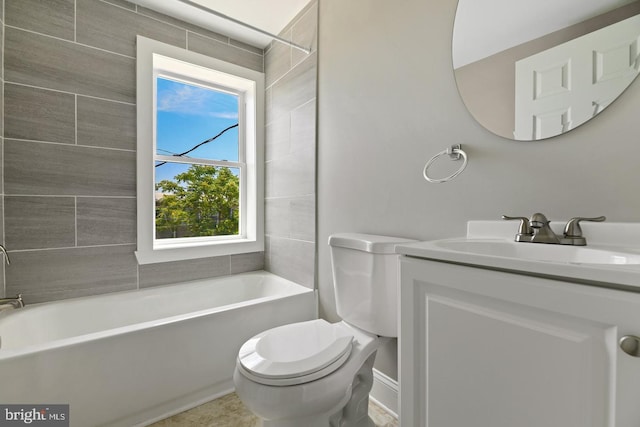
(533, 69)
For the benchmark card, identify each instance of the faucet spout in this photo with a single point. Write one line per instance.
(16, 302)
(542, 233)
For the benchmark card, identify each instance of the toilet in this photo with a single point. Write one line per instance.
(316, 373)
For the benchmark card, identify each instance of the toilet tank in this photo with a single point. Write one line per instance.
(365, 280)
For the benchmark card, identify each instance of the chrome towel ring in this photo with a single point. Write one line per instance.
(454, 152)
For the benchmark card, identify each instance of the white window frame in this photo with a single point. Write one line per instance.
(153, 59)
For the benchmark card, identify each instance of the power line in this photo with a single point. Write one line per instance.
(201, 144)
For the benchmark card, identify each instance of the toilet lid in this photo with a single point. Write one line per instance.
(295, 351)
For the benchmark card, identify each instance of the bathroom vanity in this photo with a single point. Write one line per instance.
(495, 333)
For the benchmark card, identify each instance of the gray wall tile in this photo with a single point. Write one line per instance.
(114, 29)
(106, 123)
(51, 17)
(1, 219)
(55, 274)
(46, 62)
(2, 259)
(2, 287)
(39, 222)
(106, 221)
(277, 61)
(58, 169)
(178, 23)
(278, 138)
(293, 90)
(304, 32)
(245, 46)
(303, 127)
(1, 101)
(293, 260)
(39, 114)
(3, 294)
(2, 50)
(242, 263)
(55, 83)
(225, 52)
(291, 153)
(293, 175)
(291, 217)
(181, 271)
(1, 176)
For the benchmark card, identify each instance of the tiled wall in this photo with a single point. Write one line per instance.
(69, 146)
(2, 261)
(290, 195)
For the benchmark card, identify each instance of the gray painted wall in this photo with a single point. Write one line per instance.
(69, 146)
(387, 102)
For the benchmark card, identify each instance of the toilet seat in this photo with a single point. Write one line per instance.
(296, 353)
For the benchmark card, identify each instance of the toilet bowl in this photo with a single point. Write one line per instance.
(316, 373)
(312, 392)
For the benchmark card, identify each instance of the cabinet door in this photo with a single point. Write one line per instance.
(492, 349)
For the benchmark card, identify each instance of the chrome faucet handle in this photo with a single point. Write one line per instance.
(573, 229)
(524, 230)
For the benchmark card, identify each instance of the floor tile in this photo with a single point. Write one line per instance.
(228, 411)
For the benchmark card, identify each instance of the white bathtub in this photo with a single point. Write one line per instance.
(130, 358)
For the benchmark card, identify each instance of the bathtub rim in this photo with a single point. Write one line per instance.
(26, 351)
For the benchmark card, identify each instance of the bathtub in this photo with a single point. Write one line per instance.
(131, 358)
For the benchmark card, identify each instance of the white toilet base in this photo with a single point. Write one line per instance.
(351, 412)
(356, 412)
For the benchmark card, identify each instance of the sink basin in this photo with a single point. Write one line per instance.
(538, 251)
(611, 258)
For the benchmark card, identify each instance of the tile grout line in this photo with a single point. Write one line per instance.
(70, 41)
(69, 93)
(124, 150)
(112, 245)
(80, 196)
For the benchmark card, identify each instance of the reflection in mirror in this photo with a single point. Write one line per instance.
(533, 69)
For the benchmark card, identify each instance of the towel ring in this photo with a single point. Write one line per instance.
(454, 152)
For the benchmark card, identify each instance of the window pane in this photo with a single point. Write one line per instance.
(196, 200)
(188, 115)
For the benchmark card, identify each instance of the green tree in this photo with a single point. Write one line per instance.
(203, 201)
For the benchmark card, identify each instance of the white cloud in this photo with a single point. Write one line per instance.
(185, 99)
(229, 115)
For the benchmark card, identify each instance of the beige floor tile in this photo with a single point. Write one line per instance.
(228, 411)
(381, 417)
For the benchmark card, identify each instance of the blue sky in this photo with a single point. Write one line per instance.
(188, 115)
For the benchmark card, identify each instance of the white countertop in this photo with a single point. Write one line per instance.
(621, 237)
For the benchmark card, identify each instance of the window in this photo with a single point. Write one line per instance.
(200, 131)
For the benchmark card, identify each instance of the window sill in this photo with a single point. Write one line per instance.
(181, 253)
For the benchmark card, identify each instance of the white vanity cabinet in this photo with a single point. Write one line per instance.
(487, 348)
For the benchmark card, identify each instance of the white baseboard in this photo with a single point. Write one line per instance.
(385, 392)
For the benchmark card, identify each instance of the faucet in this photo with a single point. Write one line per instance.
(6, 255)
(16, 302)
(537, 230)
